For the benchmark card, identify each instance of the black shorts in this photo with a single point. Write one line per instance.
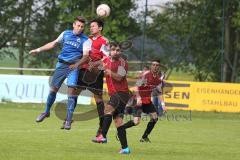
(145, 108)
(118, 101)
(93, 81)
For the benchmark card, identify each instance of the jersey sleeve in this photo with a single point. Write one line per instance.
(105, 49)
(60, 38)
(87, 45)
(121, 71)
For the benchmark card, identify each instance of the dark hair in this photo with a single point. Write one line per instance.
(80, 19)
(99, 22)
(146, 66)
(114, 44)
(155, 60)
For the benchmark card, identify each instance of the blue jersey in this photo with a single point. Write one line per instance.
(72, 49)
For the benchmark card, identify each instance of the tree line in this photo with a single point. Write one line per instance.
(200, 37)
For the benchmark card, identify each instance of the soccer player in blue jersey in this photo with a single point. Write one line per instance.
(73, 49)
(91, 72)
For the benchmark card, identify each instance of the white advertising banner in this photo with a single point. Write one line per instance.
(33, 89)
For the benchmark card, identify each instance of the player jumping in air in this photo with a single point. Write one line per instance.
(91, 75)
(73, 42)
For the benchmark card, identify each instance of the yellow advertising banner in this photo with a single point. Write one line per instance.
(202, 96)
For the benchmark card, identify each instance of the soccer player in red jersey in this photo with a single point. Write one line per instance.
(150, 80)
(90, 73)
(115, 70)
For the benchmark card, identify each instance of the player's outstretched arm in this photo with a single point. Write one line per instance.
(46, 47)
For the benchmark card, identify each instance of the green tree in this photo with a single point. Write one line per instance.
(8, 26)
(46, 26)
(119, 26)
(32, 23)
(190, 32)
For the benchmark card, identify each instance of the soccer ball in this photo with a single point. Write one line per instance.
(103, 10)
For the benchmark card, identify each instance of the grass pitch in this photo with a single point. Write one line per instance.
(181, 135)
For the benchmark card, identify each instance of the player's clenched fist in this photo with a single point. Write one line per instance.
(34, 51)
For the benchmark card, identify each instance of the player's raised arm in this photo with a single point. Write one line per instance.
(47, 46)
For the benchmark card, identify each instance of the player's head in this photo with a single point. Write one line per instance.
(155, 65)
(145, 68)
(96, 26)
(115, 50)
(78, 25)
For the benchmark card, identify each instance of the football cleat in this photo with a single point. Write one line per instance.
(42, 116)
(125, 151)
(99, 131)
(145, 140)
(99, 139)
(67, 125)
(63, 124)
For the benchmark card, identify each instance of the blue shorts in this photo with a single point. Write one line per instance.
(62, 72)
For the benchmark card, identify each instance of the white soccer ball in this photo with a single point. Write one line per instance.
(103, 10)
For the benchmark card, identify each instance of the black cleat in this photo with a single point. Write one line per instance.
(145, 140)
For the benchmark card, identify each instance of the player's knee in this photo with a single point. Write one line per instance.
(154, 115)
(154, 120)
(73, 91)
(136, 121)
(118, 122)
(98, 98)
(54, 89)
(108, 109)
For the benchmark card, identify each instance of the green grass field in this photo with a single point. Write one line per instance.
(198, 136)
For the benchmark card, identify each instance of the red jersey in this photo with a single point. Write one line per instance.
(149, 82)
(97, 48)
(117, 66)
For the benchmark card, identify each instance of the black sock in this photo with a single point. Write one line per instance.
(106, 124)
(149, 128)
(122, 136)
(129, 124)
(100, 109)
